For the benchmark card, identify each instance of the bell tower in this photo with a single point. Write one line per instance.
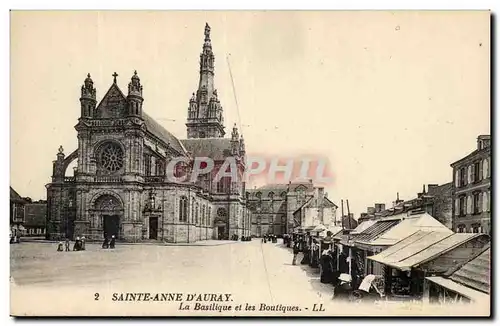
(134, 98)
(205, 113)
(88, 98)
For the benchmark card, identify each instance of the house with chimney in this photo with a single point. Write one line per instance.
(318, 210)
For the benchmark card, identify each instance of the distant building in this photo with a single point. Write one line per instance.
(372, 213)
(471, 189)
(16, 213)
(317, 210)
(273, 206)
(435, 201)
(35, 218)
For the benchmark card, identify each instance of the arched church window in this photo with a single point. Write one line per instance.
(271, 195)
(111, 157)
(183, 209)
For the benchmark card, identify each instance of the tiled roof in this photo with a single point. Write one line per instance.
(475, 273)
(159, 131)
(214, 148)
(363, 226)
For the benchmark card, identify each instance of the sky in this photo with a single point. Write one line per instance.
(390, 98)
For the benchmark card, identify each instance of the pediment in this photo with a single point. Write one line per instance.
(113, 105)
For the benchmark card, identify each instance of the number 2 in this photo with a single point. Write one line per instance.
(96, 296)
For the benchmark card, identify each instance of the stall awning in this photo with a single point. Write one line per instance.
(319, 228)
(475, 274)
(420, 247)
(373, 231)
(465, 291)
(408, 226)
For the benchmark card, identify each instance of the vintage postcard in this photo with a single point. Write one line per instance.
(250, 163)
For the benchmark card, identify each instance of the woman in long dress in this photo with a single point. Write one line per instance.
(326, 267)
(112, 243)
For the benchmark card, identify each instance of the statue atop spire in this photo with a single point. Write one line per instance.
(207, 32)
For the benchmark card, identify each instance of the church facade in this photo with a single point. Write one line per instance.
(120, 184)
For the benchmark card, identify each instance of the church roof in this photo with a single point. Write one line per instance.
(215, 148)
(15, 197)
(163, 134)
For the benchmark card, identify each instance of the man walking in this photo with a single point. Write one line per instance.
(296, 251)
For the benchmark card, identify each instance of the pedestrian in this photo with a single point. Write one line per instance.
(76, 246)
(112, 243)
(67, 245)
(83, 244)
(296, 251)
(105, 243)
(60, 246)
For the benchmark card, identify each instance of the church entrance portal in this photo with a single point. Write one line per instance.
(153, 227)
(109, 212)
(221, 232)
(111, 225)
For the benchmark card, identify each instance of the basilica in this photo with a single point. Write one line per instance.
(120, 186)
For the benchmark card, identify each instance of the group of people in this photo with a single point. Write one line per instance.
(334, 266)
(78, 245)
(270, 237)
(109, 244)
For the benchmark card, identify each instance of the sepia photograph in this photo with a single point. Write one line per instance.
(250, 163)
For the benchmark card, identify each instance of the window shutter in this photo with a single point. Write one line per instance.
(473, 173)
(489, 201)
(457, 178)
(469, 173)
(485, 169)
(469, 204)
(485, 201)
(480, 173)
(457, 207)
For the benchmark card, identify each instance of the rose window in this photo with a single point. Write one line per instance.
(111, 157)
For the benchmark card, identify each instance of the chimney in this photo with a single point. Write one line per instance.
(483, 141)
(379, 208)
(431, 188)
(321, 195)
(370, 210)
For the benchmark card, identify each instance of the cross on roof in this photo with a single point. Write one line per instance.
(114, 77)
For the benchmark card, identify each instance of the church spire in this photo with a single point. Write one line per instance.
(205, 118)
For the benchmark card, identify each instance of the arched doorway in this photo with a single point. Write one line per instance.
(109, 211)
